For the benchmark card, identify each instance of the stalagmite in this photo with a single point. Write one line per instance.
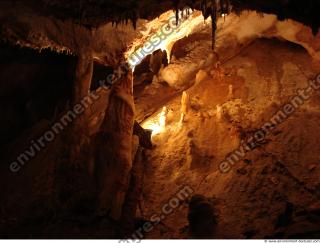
(184, 106)
(163, 117)
(134, 193)
(230, 91)
(114, 159)
(219, 112)
(141, 140)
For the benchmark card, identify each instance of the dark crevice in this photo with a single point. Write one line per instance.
(33, 86)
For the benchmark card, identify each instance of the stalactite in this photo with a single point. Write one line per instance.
(228, 6)
(134, 24)
(177, 17)
(206, 11)
(222, 6)
(213, 21)
(202, 11)
(204, 7)
(176, 6)
(134, 17)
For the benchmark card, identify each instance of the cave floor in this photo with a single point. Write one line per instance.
(284, 169)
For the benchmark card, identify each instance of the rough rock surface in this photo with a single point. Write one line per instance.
(284, 168)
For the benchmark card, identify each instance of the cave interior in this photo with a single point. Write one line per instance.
(173, 119)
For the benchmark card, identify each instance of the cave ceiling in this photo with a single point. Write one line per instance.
(93, 13)
(88, 26)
